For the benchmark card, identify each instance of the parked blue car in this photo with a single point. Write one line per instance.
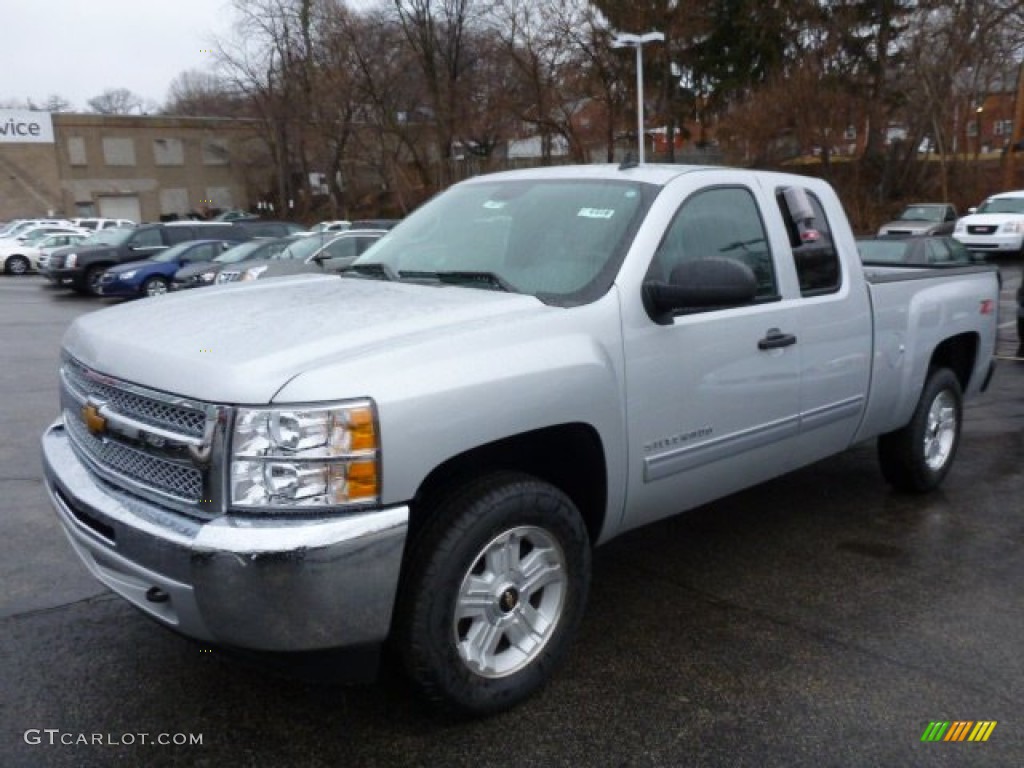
(152, 276)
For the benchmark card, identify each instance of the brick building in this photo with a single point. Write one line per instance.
(121, 166)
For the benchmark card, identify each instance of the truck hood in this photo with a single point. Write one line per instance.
(908, 225)
(989, 219)
(242, 343)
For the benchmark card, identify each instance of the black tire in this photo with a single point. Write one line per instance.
(499, 518)
(154, 286)
(917, 457)
(92, 279)
(17, 265)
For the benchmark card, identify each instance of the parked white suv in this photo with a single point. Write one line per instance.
(102, 223)
(995, 226)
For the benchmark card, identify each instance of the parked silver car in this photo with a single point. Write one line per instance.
(922, 219)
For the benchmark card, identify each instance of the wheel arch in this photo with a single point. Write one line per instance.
(959, 354)
(569, 456)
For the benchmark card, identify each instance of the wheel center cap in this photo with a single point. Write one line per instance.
(508, 600)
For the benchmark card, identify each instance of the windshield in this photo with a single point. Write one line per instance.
(1002, 205)
(173, 253)
(254, 249)
(923, 213)
(36, 236)
(302, 249)
(560, 240)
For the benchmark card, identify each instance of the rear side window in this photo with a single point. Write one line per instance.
(146, 238)
(177, 235)
(810, 238)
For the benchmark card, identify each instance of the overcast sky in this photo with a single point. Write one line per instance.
(79, 48)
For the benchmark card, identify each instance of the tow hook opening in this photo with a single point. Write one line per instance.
(157, 595)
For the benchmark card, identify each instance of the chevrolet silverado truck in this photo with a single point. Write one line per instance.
(419, 454)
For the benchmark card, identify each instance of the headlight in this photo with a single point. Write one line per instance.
(959, 227)
(1013, 227)
(253, 273)
(297, 458)
(71, 260)
(128, 275)
(205, 277)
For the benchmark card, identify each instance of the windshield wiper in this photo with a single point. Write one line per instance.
(376, 270)
(463, 277)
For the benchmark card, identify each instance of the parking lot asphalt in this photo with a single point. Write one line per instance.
(817, 620)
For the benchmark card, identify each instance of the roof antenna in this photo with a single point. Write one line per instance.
(628, 162)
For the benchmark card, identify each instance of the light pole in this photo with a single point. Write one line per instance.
(625, 40)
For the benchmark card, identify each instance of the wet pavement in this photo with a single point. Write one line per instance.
(819, 619)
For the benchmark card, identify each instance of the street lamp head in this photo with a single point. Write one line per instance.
(627, 40)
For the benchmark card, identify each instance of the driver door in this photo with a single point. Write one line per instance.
(713, 397)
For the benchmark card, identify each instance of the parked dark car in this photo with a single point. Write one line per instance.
(257, 227)
(81, 266)
(936, 251)
(922, 219)
(307, 255)
(196, 275)
(374, 223)
(151, 277)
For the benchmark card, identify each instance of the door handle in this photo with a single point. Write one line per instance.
(776, 339)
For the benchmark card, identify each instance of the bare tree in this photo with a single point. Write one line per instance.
(197, 93)
(116, 101)
(437, 32)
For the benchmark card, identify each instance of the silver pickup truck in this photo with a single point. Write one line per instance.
(422, 451)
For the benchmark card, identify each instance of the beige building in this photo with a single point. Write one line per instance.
(121, 166)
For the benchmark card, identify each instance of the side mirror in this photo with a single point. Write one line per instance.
(972, 209)
(700, 285)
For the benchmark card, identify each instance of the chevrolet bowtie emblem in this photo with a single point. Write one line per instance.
(94, 422)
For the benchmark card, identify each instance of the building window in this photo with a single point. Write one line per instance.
(216, 152)
(220, 197)
(174, 202)
(1003, 128)
(118, 151)
(168, 152)
(850, 133)
(972, 127)
(76, 151)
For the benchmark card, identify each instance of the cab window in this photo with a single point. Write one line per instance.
(812, 245)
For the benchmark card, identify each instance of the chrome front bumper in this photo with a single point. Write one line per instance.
(260, 584)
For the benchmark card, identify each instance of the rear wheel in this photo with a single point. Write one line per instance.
(155, 286)
(493, 592)
(16, 265)
(918, 457)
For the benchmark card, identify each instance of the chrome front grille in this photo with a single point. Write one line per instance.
(164, 448)
(157, 413)
(183, 482)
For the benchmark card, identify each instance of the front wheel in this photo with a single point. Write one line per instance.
(918, 457)
(16, 265)
(493, 592)
(155, 286)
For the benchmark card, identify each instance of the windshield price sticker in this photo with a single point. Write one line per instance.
(596, 213)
